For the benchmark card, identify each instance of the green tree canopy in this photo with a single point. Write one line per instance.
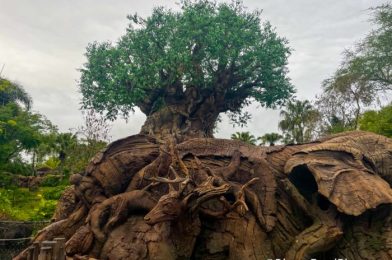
(193, 64)
(298, 123)
(20, 129)
(11, 92)
(379, 122)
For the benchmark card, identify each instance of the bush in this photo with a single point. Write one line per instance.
(51, 180)
(7, 180)
(5, 205)
(17, 167)
(52, 193)
(22, 204)
(45, 210)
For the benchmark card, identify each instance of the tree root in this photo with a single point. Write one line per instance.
(321, 236)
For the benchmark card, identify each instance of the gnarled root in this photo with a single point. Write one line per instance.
(80, 242)
(104, 216)
(321, 236)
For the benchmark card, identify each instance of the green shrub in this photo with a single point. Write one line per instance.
(22, 204)
(45, 210)
(52, 162)
(52, 193)
(7, 180)
(17, 167)
(51, 180)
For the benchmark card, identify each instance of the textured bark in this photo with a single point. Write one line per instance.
(186, 114)
(210, 198)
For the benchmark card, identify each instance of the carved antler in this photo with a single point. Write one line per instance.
(240, 196)
(177, 178)
(175, 203)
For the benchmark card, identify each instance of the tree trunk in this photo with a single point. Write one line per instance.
(170, 122)
(209, 198)
(183, 114)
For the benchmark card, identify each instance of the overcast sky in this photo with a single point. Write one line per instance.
(42, 43)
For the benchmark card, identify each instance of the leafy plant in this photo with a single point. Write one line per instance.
(270, 138)
(298, 121)
(52, 162)
(245, 137)
(51, 180)
(23, 204)
(379, 122)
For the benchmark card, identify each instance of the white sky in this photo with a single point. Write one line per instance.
(42, 43)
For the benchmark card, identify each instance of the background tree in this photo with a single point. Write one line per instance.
(63, 145)
(20, 129)
(379, 122)
(366, 72)
(11, 92)
(299, 121)
(371, 60)
(95, 128)
(344, 97)
(245, 137)
(336, 113)
(182, 69)
(270, 138)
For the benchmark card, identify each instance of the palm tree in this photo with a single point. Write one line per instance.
(245, 137)
(13, 93)
(63, 143)
(270, 138)
(298, 121)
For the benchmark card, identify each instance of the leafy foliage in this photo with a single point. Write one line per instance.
(22, 204)
(298, 123)
(13, 93)
(371, 60)
(366, 71)
(270, 138)
(344, 96)
(379, 122)
(220, 48)
(245, 137)
(20, 129)
(51, 180)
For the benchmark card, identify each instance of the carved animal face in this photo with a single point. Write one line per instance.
(169, 207)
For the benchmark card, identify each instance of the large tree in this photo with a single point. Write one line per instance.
(183, 68)
(146, 197)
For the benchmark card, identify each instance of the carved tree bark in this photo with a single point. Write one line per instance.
(205, 198)
(183, 114)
